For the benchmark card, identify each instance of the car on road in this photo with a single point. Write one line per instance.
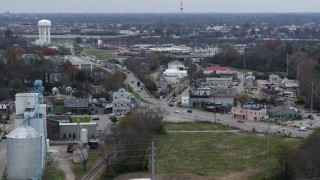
(189, 111)
(176, 111)
(302, 128)
(95, 117)
(240, 121)
(68, 113)
(132, 82)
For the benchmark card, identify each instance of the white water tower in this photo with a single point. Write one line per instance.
(44, 32)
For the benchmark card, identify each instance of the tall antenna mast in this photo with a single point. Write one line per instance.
(181, 9)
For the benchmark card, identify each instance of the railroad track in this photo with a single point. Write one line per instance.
(94, 170)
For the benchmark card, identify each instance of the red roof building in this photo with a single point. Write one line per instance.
(217, 69)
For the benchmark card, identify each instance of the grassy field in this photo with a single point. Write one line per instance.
(53, 174)
(82, 119)
(201, 126)
(57, 109)
(214, 154)
(98, 53)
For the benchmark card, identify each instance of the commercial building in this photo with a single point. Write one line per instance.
(252, 113)
(287, 110)
(175, 69)
(215, 69)
(212, 96)
(71, 130)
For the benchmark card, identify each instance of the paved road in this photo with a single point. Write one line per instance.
(197, 115)
(227, 119)
(3, 156)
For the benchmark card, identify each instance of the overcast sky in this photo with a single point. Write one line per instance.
(158, 6)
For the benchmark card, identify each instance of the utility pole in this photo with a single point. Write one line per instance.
(215, 109)
(244, 67)
(298, 88)
(287, 64)
(78, 130)
(181, 9)
(244, 60)
(311, 105)
(267, 177)
(152, 160)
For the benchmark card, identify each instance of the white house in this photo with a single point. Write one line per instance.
(273, 78)
(121, 102)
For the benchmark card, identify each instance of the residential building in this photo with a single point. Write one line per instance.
(249, 80)
(289, 84)
(273, 78)
(252, 113)
(121, 102)
(76, 106)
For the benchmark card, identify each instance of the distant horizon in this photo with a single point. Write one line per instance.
(158, 12)
(163, 6)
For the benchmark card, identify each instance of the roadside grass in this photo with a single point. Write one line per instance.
(98, 53)
(93, 157)
(200, 126)
(140, 98)
(51, 173)
(57, 109)
(82, 119)
(215, 154)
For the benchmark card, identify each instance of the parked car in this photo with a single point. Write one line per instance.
(310, 116)
(240, 121)
(70, 148)
(95, 117)
(302, 128)
(176, 111)
(68, 113)
(189, 111)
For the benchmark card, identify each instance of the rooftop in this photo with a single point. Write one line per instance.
(215, 68)
(69, 103)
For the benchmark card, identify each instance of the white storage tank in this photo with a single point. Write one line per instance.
(84, 136)
(23, 154)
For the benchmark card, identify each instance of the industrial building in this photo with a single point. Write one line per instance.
(71, 130)
(27, 143)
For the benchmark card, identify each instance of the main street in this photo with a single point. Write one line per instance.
(181, 115)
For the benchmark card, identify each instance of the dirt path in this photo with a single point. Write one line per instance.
(64, 164)
(204, 131)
